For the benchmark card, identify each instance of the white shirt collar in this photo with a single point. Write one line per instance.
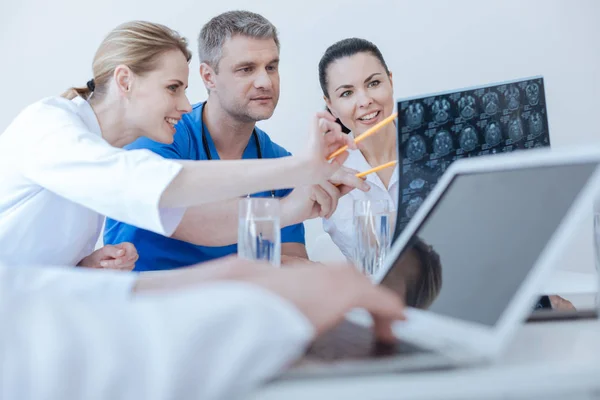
(87, 114)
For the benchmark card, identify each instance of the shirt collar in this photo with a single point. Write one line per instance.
(87, 114)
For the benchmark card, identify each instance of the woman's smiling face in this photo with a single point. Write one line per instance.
(360, 91)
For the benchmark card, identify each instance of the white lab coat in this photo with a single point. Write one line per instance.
(217, 342)
(59, 178)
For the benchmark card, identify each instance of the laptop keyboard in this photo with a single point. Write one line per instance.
(351, 341)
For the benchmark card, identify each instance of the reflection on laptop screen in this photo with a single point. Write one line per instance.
(478, 243)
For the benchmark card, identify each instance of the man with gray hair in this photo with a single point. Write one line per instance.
(239, 56)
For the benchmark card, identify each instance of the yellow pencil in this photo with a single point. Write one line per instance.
(370, 171)
(376, 169)
(365, 135)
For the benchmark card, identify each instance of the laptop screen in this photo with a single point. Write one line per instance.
(481, 239)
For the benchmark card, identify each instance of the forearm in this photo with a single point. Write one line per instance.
(228, 268)
(216, 224)
(201, 182)
(295, 250)
(213, 224)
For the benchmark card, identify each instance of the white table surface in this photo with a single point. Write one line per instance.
(545, 360)
(548, 360)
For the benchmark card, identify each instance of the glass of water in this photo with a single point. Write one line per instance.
(259, 232)
(373, 234)
(597, 248)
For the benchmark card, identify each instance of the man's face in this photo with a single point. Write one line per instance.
(247, 81)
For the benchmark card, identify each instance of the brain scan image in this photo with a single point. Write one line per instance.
(444, 166)
(436, 129)
(515, 130)
(536, 126)
(414, 115)
(442, 143)
(512, 97)
(468, 138)
(532, 91)
(417, 184)
(413, 206)
(491, 103)
(467, 106)
(416, 148)
(493, 134)
(441, 110)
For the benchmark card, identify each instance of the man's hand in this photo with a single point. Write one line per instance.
(321, 200)
(308, 202)
(324, 294)
(559, 303)
(345, 180)
(121, 256)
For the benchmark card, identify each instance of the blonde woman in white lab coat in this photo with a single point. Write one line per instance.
(63, 169)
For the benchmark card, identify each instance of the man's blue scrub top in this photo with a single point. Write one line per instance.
(158, 252)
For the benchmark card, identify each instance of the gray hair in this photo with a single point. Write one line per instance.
(224, 26)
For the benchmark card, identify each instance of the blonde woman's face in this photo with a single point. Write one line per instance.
(360, 91)
(158, 98)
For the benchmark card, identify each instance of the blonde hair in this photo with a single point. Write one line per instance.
(136, 44)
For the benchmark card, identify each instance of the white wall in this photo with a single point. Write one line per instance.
(430, 46)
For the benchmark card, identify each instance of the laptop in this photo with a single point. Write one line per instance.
(469, 264)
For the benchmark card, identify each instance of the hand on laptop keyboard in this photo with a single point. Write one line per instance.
(324, 294)
(352, 341)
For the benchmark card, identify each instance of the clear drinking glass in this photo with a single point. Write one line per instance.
(373, 233)
(597, 248)
(259, 232)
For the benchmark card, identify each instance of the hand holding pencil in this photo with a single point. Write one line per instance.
(325, 137)
(362, 137)
(352, 183)
(365, 135)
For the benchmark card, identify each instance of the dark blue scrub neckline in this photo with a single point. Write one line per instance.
(207, 147)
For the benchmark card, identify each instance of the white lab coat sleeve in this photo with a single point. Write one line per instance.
(79, 165)
(217, 342)
(69, 281)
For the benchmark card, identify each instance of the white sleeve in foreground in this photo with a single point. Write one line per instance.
(66, 281)
(217, 342)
